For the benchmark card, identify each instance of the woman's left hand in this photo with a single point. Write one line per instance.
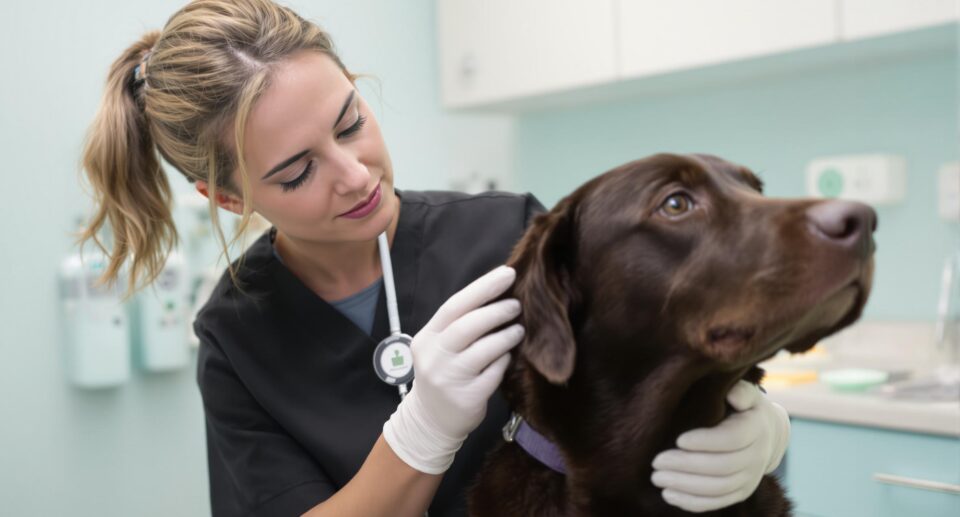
(722, 465)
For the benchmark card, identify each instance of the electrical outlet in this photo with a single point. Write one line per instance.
(876, 179)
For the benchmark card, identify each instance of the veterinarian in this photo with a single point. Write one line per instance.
(251, 103)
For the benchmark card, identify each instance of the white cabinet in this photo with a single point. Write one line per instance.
(660, 36)
(492, 50)
(864, 18)
(494, 53)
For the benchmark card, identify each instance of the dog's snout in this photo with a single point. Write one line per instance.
(847, 223)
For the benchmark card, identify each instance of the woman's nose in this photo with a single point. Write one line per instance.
(349, 174)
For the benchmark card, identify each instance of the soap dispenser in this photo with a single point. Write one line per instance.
(94, 322)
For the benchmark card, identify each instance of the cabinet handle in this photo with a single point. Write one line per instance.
(468, 69)
(923, 484)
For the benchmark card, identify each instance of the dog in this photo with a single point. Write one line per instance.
(647, 294)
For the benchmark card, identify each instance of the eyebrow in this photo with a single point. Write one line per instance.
(282, 165)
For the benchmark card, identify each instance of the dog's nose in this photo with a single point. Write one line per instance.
(847, 223)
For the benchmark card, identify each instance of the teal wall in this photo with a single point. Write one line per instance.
(775, 125)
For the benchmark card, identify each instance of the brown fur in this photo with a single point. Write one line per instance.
(638, 323)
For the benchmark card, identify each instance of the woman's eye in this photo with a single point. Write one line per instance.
(354, 128)
(677, 204)
(356, 125)
(299, 180)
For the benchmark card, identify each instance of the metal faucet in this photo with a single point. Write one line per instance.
(947, 330)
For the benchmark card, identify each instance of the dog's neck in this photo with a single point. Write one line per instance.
(609, 448)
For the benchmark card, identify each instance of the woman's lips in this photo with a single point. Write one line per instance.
(363, 209)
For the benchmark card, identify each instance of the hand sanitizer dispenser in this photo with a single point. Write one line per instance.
(160, 319)
(94, 324)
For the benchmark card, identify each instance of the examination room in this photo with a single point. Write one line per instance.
(480, 258)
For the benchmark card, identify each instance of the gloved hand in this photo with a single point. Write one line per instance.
(458, 366)
(722, 465)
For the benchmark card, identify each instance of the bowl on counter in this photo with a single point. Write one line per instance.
(787, 369)
(853, 379)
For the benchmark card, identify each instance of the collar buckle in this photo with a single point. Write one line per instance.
(510, 429)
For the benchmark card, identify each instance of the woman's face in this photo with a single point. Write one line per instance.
(314, 153)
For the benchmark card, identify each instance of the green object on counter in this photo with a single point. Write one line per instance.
(853, 379)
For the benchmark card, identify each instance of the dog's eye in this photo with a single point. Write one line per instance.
(677, 204)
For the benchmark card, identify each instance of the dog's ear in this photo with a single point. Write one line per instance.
(543, 260)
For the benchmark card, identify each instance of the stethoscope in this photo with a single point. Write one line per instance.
(392, 359)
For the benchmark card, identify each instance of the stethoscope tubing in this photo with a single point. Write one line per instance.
(386, 265)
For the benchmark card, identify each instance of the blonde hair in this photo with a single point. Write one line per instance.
(204, 70)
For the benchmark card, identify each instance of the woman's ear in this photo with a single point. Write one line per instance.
(224, 200)
(545, 290)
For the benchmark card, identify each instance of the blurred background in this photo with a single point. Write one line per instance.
(99, 410)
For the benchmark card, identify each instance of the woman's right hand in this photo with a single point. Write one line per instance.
(458, 366)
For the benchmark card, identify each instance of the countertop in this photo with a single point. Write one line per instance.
(904, 349)
(817, 401)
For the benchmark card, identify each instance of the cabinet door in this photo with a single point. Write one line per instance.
(660, 36)
(831, 471)
(864, 18)
(494, 50)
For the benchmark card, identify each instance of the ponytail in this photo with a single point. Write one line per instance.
(197, 82)
(132, 193)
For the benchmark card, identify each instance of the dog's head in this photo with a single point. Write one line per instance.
(683, 255)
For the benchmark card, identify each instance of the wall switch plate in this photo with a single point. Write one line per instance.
(877, 179)
(949, 192)
(473, 183)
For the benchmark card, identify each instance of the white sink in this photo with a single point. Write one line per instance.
(932, 389)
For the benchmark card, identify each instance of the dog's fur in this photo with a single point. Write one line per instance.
(640, 318)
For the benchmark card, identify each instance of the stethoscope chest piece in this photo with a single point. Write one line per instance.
(393, 360)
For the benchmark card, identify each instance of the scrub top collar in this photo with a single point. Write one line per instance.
(303, 301)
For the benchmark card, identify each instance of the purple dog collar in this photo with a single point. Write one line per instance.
(535, 444)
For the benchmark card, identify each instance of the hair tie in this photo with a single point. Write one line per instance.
(140, 71)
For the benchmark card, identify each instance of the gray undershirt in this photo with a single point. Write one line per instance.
(359, 308)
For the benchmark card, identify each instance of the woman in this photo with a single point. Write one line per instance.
(251, 103)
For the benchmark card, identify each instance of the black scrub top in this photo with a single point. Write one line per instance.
(292, 403)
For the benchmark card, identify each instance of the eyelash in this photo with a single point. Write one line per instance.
(361, 120)
(296, 182)
(299, 180)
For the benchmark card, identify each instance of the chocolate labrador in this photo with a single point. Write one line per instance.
(647, 294)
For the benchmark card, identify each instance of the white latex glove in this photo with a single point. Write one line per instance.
(722, 465)
(458, 367)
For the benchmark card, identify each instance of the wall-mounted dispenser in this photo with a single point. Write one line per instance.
(159, 318)
(94, 325)
(877, 179)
